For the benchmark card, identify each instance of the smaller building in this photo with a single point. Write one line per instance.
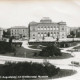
(78, 32)
(1, 33)
(75, 31)
(68, 30)
(19, 32)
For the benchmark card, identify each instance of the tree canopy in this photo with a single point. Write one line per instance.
(50, 51)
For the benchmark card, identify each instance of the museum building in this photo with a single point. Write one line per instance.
(47, 29)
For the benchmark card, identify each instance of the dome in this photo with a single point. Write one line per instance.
(45, 20)
(62, 23)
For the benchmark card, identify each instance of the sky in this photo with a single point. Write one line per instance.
(21, 12)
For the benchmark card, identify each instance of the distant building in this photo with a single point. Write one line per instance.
(47, 28)
(78, 32)
(75, 30)
(68, 30)
(19, 32)
(1, 33)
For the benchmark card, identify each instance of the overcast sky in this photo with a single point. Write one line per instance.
(20, 13)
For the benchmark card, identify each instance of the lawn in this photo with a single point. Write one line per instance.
(37, 46)
(22, 52)
(62, 73)
(78, 47)
(75, 49)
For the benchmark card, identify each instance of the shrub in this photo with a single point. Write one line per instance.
(27, 68)
(5, 47)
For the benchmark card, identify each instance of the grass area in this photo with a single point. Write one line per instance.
(75, 49)
(22, 52)
(37, 46)
(62, 73)
(78, 47)
(64, 56)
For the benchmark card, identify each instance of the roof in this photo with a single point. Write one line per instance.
(18, 27)
(46, 20)
(1, 29)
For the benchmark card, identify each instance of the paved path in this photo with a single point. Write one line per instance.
(25, 45)
(64, 63)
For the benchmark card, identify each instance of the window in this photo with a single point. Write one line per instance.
(12, 30)
(62, 28)
(39, 34)
(47, 28)
(57, 28)
(45, 34)
(33, 34)
(44, 28)
(41, 28)
(54, 28)
(54, 32)
(57, 32)
(38, 28)
(33, 38)
(51, 28)
(51, 34)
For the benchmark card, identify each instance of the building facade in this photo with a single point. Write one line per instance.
(19, 32)
(1, 33)
(47, 28)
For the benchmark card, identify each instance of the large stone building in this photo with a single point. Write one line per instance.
(19, 32)
(1, 33)
(47, 28)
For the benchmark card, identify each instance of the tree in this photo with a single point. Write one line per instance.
(6, 33)
(72, 34)
(10, 40)
(43, 38)
(50, 51)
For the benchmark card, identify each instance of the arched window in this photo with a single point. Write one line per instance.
(48, 28)
(54, 28)
(57, 28)
(63, 28)
(38, 28)
(44, 28)
(48, 34)
(45, 34)
(54, 32)
(51, 34)
(51, 28)
(41, 28)
(33, 34)
(39, 34)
